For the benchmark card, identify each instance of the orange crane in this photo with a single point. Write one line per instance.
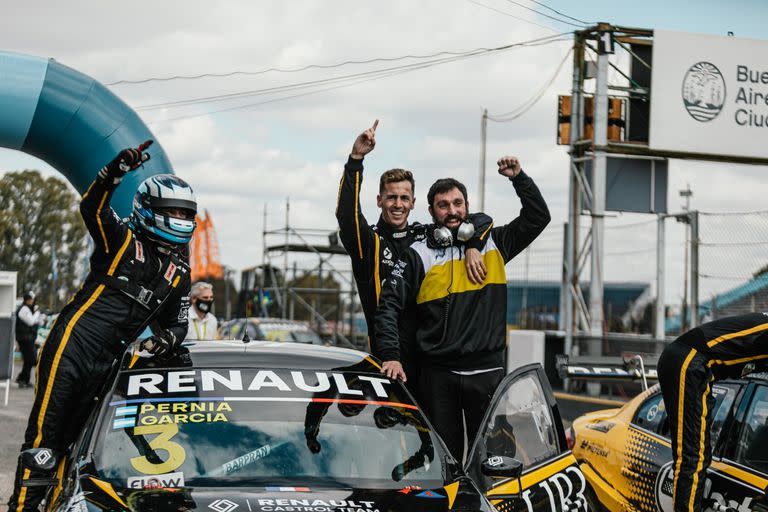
(204, 250)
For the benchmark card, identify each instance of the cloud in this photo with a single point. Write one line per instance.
(240, 161)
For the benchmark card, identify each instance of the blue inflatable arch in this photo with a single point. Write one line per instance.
(72, 122)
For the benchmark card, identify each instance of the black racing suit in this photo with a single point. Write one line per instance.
(461, 327)
(374, 249)
(132, 282)
(686, 369)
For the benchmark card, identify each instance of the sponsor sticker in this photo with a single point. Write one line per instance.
(170, 271)
(139, 252)
(156, 481)
(430, 494)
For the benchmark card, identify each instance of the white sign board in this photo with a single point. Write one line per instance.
(709, 94)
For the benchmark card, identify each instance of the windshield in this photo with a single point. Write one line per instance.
(286, 331)
(262, 427)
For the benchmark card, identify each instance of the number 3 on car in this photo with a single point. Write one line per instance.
(175, 452)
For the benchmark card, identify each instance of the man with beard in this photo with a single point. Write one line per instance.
(461, 326)
(374, 249)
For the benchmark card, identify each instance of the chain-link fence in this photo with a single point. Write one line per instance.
(733, 263)
(535, 276)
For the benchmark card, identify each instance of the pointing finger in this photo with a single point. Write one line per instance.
(375, 125)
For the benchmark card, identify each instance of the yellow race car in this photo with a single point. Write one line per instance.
(626, 456)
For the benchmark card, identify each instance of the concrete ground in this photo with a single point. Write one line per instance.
(13, 421)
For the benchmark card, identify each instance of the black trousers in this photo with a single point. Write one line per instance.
(449, 399)
(686, 375)
(71, 371)
(29, 359)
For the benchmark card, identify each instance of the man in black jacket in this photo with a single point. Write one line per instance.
(27, 320)
(686, 369)
(139, 274)
(461, 333)
(374, 249)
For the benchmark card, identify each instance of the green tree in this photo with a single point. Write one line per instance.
(41, 228)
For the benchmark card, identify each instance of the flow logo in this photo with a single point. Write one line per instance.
(703, 91)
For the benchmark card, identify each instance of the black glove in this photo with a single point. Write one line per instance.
(160, 343)
(125, 161)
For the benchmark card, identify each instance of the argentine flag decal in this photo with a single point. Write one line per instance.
(124, 422)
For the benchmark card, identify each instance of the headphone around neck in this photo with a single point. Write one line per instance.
(443, 237)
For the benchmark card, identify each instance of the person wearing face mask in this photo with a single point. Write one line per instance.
(461, 326)
(202, 323)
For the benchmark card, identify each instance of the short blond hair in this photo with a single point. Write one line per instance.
(395, 175)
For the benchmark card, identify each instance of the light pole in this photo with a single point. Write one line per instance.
(687, 193)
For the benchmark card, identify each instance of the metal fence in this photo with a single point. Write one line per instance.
(733, 263)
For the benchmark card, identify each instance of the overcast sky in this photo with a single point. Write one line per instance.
(240, 160)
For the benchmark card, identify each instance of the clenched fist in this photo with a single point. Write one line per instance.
(509, 166)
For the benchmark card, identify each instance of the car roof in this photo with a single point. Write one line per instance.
(759, 376)
(258, 354)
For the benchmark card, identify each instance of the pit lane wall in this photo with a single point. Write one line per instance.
(72, 122)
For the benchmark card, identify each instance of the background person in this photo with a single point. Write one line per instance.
(202, 323)
(686, 370)
(28, 318)
(461, 326)
(139, 275)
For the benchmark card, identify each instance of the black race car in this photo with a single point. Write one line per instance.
(227, 426)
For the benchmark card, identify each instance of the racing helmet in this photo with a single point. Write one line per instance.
(153, 198)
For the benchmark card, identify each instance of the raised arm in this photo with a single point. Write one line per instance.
(356, 234)
(105, 227)
(534, 214)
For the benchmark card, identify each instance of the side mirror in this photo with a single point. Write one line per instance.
(500, 466)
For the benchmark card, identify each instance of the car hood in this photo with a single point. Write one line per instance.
(97, 495)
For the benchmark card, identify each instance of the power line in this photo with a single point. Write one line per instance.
(373, 73)
(303, 68)
(561, 13)
(525, 107)
(544, 14)
(510, 15)
(274, 100)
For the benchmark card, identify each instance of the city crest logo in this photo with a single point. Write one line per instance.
(703, 91)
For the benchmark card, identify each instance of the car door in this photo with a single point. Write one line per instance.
(523, 422)
(739, 475)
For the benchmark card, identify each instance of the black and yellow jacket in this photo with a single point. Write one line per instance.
(374, 249)
(459, 325)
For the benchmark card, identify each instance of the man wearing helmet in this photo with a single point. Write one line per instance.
(139, 276)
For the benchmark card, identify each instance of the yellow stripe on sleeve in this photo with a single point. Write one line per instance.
(731, 335)
(119, 254)
(98, 221)
(376, 275)
(357, 213)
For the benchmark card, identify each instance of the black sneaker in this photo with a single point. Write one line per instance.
(23, 385)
